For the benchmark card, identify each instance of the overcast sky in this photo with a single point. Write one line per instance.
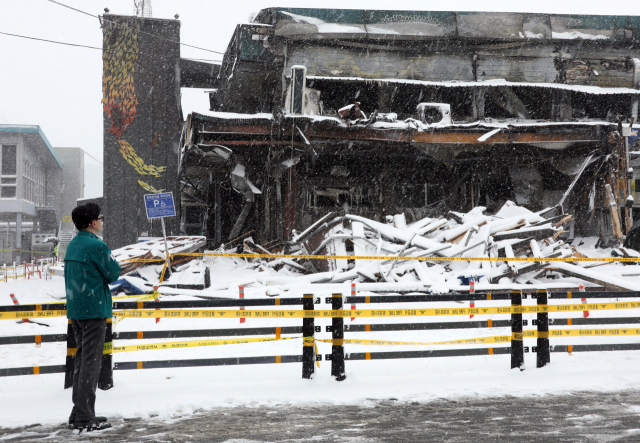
(60, 87)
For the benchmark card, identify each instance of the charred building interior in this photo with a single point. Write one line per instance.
(375, 113)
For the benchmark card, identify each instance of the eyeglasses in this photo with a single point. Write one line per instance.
(101, 218)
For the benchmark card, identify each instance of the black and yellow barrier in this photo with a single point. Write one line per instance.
(196, 343)
(482, 296)
(358, 313)
(427, 354)
(230, 361)
(147, 309)
(133, 335)
(58, 307)
(596, 348)
(105, 380)
(310, 340)
(147, 304)
(32, 370)
(119, 366)
(289, 330)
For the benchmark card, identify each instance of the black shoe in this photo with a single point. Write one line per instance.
(72, 420)
(92, 425)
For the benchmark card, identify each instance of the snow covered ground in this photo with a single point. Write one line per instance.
(166, 392)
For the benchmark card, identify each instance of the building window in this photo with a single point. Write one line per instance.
(33, 184)
(8, 170)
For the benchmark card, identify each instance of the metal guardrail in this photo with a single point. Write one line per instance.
(338, 329)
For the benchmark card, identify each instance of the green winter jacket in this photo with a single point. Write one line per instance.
(89, 267)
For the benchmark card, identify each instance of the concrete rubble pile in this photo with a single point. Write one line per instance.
(139, 277)
(513, 231)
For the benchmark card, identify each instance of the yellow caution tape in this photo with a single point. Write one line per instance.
(468, 341)
(592, 332)
(164, 269)
(196, 343)
(308, 341)
(497, 338)
(135, 297)
(192, 313)
(395, 257)
(145, 260)
(32, 314)
(311, 341)
(496, 310)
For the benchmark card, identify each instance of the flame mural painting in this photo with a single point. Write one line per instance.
(119, 100)
(142, 122)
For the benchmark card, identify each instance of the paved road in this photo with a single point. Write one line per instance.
(576, 417)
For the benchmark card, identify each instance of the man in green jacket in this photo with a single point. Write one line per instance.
(89, 267)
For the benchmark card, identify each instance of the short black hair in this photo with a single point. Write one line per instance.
(83, 215)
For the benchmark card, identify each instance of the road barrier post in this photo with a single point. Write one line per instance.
(472, 290)
(517, 348)
(15, 302)
(70, 362)
(585, 314)
(241, 288)
(543, 352)
(308, 327)
(105, 379)
(337, 349)
(155, 291)
(353, 294)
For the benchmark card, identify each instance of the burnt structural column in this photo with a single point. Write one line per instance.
(290, 203)
(517, 348)
(337, 350)
(387, 191)
(543, 356)
(211, 225)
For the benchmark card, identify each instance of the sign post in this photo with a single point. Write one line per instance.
(161, 206)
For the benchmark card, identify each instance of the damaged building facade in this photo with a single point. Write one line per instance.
(375, 113)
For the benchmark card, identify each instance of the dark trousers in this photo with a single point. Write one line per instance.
(90, 336)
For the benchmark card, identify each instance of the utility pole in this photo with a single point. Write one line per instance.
(142, 8)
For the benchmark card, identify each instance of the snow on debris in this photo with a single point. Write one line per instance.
(326, 27)
(512, 232)
(573, 35)
(493, 82)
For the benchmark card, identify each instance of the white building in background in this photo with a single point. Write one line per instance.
(39, 186)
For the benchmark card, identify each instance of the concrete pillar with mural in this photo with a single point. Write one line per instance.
(142, 122)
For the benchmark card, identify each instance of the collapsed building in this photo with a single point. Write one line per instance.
(375, 113)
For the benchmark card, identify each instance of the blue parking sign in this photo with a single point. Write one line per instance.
(159, 205)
